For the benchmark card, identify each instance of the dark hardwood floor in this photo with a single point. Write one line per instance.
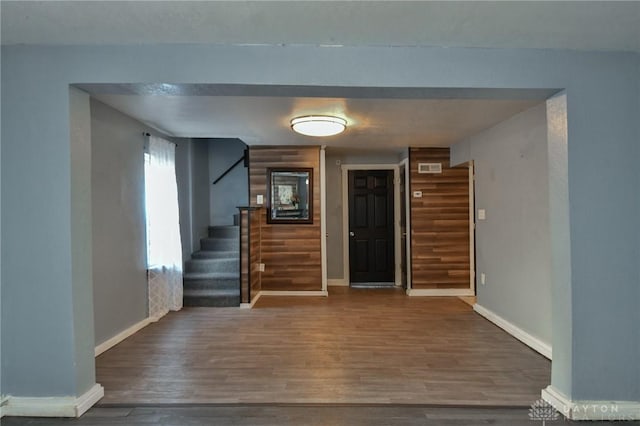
(296, 415)
(356, 346)
(359, 357)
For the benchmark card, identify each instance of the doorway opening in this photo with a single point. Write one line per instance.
(397, 214)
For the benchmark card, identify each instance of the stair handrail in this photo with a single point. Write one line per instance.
(240, 160)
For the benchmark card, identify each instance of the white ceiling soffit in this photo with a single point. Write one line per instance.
(378, 117)
(601, 25)
(372, 123)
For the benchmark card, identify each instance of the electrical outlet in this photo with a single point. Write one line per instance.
(482, 214)
(261, 267)
(483, 278)
(259, 199)
(417, 194)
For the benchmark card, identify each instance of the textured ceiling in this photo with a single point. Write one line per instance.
(378, 118)
(372, 123)
(558, 25)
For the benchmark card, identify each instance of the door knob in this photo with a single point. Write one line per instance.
(352, 234)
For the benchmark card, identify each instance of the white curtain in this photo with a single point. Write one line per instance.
(164, 248)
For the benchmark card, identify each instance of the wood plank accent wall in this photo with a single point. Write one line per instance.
(255, 257)
(290, 252)
(245, 267)
(440, 257)
(250, 257)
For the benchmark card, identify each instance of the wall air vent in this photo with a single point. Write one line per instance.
(429, 167)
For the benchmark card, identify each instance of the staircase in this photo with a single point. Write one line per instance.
(211, 276)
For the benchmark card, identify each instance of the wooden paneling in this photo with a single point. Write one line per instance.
(255, 258)
(244, 256)
(439, 222)
(290, 252)
(250, 253)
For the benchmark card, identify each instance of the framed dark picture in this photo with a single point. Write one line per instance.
(290, 195)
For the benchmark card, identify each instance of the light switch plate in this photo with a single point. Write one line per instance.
(259, 199)
(417, 194)
(261, 267)
(483, 279)
(482, 214)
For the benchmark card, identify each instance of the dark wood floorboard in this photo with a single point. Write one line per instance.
(299, 415)
(356, 346)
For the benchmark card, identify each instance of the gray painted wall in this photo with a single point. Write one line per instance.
(335, 251)
(199, 191)
(183, 180)
(603, 128)
(82, 242)
(1, 388)
(637, 136)
(513, 246)
(198, 163)
(559, 228)
(119, 249)
(233, 190)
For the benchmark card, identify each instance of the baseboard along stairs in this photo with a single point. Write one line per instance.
(211, 276)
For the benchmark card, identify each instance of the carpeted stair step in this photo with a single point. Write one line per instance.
(211, 280)
(213, 298)
(222, 254)
(219, 244)
(224, 232)
(226, 264)
(212, 275)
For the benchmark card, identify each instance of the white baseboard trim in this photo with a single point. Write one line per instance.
(533, 342)
(64, 406)
(159, 316)
(105, 346)
(283, 293)
(439, 292)
(591, 410)
(337, 282)
(253, 302)
(3, 402)
(294, 293)
(88, 399)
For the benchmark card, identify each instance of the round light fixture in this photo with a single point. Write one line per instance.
(318, 125)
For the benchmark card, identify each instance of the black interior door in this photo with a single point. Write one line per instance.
(371, 226)
(403, 226)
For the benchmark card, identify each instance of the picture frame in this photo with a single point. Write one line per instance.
(290, 195)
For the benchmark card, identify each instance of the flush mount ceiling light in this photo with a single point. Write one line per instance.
(318, 125)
